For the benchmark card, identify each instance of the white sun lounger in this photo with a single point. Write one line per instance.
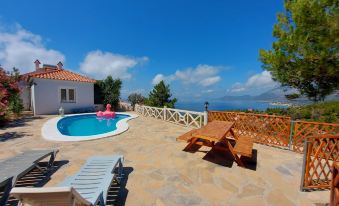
(12, 169)
(87, 187)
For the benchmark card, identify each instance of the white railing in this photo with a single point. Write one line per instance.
(178, 116)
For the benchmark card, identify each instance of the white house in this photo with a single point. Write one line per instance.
(47, 89)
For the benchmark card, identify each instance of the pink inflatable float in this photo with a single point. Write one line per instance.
(107, 114)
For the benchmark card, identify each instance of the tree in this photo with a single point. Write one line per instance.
(135, 98)
(160, 96)
(111, 91)
(98, 92)
(305, 54)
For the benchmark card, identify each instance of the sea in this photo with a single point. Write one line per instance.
(222, 105)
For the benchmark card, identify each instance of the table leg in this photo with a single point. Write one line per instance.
(233, 134)
(192, 142)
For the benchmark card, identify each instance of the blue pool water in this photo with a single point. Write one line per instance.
(88, 124)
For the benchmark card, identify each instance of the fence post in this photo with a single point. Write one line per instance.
(290, 143)
(304, 166)
(205, 117)
(165, 108)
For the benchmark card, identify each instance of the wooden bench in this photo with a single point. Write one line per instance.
(244, 146)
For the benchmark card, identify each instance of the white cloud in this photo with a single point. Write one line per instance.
(258, 82)
(207, 91)
(100, 64)
(158, 78)
(20, 48)
(204, 75)
(210, 81)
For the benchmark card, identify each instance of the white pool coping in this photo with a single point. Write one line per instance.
(50, 131)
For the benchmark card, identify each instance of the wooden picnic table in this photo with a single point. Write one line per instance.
(217, 132)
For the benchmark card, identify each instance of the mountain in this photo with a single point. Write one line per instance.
(277, 95)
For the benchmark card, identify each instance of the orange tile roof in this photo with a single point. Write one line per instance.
(58, 74)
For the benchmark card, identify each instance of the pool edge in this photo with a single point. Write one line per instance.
(50, 132)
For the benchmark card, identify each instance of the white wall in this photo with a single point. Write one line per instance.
(47, 95)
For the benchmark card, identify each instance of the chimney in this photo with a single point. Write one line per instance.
(59, 65)
(37, 63)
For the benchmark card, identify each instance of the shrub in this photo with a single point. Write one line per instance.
(10, 102)
(135, 98)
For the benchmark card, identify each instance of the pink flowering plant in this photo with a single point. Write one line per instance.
(10, 102)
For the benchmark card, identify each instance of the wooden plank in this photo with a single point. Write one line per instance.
(186, 137)
(244, 146)
(214, 131)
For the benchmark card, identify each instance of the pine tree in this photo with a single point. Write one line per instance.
(305, 54)
(160, 96)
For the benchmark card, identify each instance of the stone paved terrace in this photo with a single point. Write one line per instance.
(160, 173)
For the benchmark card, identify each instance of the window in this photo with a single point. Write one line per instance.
(71, 95)
(63, 95)
(67, 95)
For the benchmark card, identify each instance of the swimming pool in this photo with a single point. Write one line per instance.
(90, 124)
(81, 127)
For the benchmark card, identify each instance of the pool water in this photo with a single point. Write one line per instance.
(88, 124)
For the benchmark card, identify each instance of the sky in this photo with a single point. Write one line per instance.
(203, 49)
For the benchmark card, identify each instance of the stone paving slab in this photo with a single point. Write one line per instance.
(160, 173)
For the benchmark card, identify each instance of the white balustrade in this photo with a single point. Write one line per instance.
(178, 116)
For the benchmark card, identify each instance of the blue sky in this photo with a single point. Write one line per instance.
(203, 49)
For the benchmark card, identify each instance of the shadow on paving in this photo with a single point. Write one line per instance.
(223, 157)
(19, 122)
(117, 193)
(12, 135)
(36, 178)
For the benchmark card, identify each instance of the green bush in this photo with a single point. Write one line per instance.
(107, 91)
(318, 112)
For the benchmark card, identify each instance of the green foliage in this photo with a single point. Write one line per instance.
(98, 92)
(318, 112)
(160, 96)
(110, 89)
(15, 104)
(135, 98)
(305, 54)
(292, 96)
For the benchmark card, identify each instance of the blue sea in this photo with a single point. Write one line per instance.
(225, 105)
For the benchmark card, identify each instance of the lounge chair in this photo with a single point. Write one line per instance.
(12, 169)
(87, 187)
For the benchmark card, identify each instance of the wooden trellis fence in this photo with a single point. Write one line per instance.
(275, 130)
(303, 129)
(264, 129)
(177, 116)
(319, 155)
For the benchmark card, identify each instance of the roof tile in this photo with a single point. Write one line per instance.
(58, 74)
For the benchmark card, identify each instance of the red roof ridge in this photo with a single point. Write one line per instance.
(59, 74)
